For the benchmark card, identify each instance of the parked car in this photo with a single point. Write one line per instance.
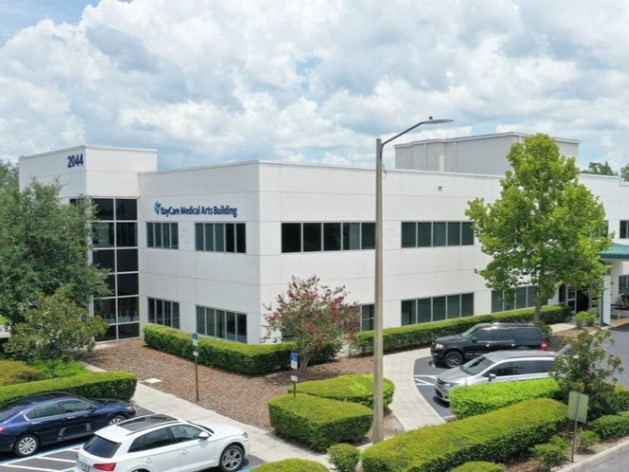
(481, 338)
(53, 417)
(156, 443)
(500, 366)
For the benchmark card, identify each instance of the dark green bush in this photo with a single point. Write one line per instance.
(611, 426)
(477, 399)
(14, 372)
(618, 401)
(551, 453)
(248, 359)
(344, 457)
(408, 337)
(480, 466)
(319, 422)
(291, 465)
(120, 385)
(585, 318)
(494, 436)
(357, 388)
(586, 440)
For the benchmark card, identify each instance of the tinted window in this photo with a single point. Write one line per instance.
(291, 237)
(545, 366)
(502, 370)
(72, 406)
(369, 235)
(45, 411)
(502, 335)
(482, 335)
(332, 236)
(184, 432)
(527, 335)
(126, 209)
(101, 447)
(152, 440)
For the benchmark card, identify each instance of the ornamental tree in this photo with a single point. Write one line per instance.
(545, 229)
(313, 317)
(54, 330)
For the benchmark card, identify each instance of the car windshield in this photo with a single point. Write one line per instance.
(10, 411)
(476, 366)
(469, 332)
(101, 447)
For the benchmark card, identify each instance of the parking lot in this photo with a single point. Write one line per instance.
(425, 376)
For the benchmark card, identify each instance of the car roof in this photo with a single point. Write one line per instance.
(518, 354)
(42, 397)
(502, 324)
(137, 425)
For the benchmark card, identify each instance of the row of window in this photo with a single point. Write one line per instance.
(316, 237)
(220, 237)
(162, 235)
(109, 234)
(522, 297)
(164, 312)
(437, 233)
(222, 324)
(423, 310)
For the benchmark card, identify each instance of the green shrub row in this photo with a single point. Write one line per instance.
(551, 453)
(291, 465)
(493, 436)
(233, 356)
(344, 457)
(357, 388)
(611, 426)
(319, 422)
(412, 336)
(478, 399)
(480, 466)
(118, 385)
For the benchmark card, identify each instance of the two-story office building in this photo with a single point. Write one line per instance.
(204, 249)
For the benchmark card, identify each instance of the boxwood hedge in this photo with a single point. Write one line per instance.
(480, 466)
(494, 436)
(478, 399)
(120, 385)
(291, 465)
(249, 359)
(408, 337)
(319, 422)
(357, 388)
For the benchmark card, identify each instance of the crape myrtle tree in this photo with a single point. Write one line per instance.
(545, 229)
(314, 317)
(43, 246)
(54, 330)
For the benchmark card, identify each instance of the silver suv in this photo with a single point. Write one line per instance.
(160, 443)
(499, 366)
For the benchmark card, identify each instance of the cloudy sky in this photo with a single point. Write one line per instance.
(209, 81)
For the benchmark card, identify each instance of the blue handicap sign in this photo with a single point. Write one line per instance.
(294, 357)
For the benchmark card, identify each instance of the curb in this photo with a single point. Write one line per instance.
(597, 458)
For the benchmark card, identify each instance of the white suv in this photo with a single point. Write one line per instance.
(156, 443)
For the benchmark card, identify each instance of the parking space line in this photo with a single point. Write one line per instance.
(29, 467)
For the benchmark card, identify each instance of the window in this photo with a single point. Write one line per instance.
(220, 237)
(624, 229)
(317, 237)
(162, 235)
(522, 297)
(222, 324)
(437, 233)
(366, 317)
(163, 312)
(424, 310)
(151, 440)
(184, 432)
(623, 284)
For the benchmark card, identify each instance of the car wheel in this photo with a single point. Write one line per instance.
(26, 445)
(116, 419)
(231, 458)
(453, 359)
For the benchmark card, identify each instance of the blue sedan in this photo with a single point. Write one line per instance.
(53, 417)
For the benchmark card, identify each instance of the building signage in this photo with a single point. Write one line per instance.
(195, 210)
(75, 160)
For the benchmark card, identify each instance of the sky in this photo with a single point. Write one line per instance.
(211, 81)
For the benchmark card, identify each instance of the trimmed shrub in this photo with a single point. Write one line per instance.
(232, 356)
(586, 440)
(473, 400)
(344, 457)
(585, 318)
(552, 453)
(357, 388)
(611, 426)
(118, 385)
(619, 400)
(494, 436)
(14, 372)
(319, 422)
(291, 465)
(420, 335)
(480, 466)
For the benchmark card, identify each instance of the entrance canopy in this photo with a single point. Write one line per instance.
(616, 251)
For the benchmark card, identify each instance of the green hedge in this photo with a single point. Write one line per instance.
(291, 465)
(480, 466)
(494, 436)
(249, 359)
(611, 426)
(478, 399)
(357, 388)
(119, 385)
(419, 335)
(319, 422)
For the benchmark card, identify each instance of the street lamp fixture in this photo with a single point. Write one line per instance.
(378, 352)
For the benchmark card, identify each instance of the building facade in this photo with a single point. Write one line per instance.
(205, 249)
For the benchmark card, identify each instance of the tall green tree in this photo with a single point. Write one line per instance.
(43, 246)
(598, 168)
(545, 229)
(54, 330)
(624, 173)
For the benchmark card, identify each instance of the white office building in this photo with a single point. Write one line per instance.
(204, 249)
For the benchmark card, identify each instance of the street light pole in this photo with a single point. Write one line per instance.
(378, 351)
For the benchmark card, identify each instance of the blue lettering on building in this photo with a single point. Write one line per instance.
(195, 210)
(75, 160)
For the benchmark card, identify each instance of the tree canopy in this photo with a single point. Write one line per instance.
(545, 229)
(43, 246)
(599, 169)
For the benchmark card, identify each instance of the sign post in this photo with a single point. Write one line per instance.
(195, 353)
(294, 365)
(577, 411)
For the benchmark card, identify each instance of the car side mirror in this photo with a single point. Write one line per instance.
(492, 377)
(474, 340)
(204, 435)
